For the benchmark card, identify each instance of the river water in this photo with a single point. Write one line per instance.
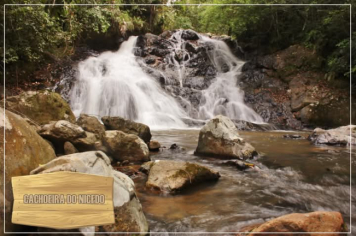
(295, 176)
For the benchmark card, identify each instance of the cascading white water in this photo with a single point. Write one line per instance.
(113, 84)
(223, 96)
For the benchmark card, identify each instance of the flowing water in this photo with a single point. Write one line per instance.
(114, 84)
(295, 176)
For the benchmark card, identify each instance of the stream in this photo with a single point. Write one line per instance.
(295, 176)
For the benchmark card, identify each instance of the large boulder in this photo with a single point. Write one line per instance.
(41, 106)
(128, 210)
(121, 146)
(174, 176)
(25, 150)
(61, 131)
(91, 124)
(344, 135)
(127, 126)
(319, 221)
(219, 137)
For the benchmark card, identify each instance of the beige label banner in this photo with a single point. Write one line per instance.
(63, 200)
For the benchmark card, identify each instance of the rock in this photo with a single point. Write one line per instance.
(127, 126)
(319, 221)
(173, 176)
(61, 131)
(41, 107)
(25, 150)
(241, 165)
(292, 136)
(154, 145)
(69, 148)
(339, 136)
(249, 126)
(127, 207)
(89, 143)
(189, 35)
(122, 146)
(145, 167)
(219, 137)
(91, 124)
(175, 148)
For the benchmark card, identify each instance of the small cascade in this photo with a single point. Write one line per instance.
(113, 84)
(224, 97)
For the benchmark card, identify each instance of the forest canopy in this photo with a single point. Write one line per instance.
(38, 34)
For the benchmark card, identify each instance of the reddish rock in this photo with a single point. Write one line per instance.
(319, 221)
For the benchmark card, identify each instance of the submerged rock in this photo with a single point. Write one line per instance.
(339, 136)
(127, 126)
(219, 137)
(25, 150)
(91, 124)
(173, 176)
(319, 221)
(293, 136)
(122, 146)
(41, 106)
(241, 165)
(127, 207)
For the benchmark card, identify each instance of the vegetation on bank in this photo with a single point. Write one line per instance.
(37, 36)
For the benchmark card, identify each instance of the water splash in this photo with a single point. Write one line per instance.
(113, 84)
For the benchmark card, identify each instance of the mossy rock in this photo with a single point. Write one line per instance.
(41, 106)
(25, 151)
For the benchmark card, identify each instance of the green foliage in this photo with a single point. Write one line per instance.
(33, 33)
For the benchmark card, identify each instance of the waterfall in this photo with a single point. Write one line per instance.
(223, 96)
(113, 84)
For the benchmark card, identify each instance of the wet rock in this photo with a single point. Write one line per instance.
(41, 106)
(319, 221)
(189, 35)
(292, 136)
(241, 165)
(219, 137)
(173, 176)
(339, 136)
(69, 148)
(25, 150)
(154, 145)
(175, 148)
(145, 167)
(122, 146)
(91, 124)
(127, 207)
(127, 126)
